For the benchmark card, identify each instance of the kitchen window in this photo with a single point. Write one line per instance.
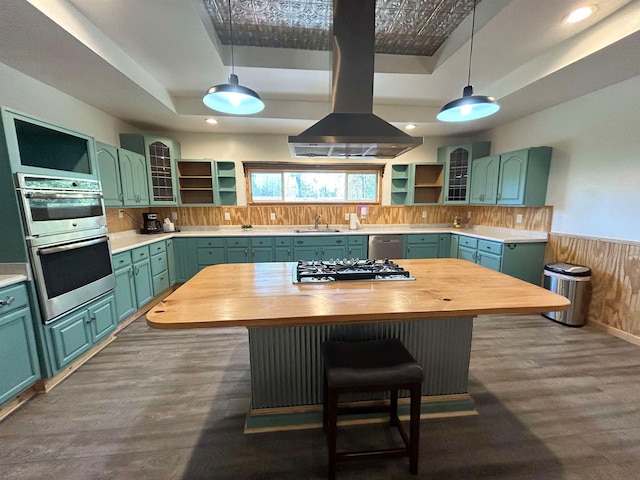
(318, 184)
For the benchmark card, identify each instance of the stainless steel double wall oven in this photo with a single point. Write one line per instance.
(66, 234)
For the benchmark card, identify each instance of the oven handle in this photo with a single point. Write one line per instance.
(62, 195)
(71, 246)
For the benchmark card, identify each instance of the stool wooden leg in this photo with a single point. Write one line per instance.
(393, 408)
(414, 428)
(332, 431)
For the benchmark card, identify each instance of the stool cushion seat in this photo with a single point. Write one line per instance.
(369, 363)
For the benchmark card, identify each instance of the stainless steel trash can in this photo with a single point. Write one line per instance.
(573, 282)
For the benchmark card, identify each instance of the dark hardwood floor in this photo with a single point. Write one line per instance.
(554, 402)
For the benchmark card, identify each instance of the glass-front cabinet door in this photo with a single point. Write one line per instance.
(458, 169)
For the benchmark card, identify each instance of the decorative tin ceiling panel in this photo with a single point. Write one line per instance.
(403, 27)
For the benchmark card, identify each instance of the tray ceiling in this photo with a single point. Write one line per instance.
(403, 27)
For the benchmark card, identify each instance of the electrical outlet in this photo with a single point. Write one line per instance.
(174, 215)
(468, 214)
(519, 218)
(227, 216)
(272, 216)
(424, 214)
(120, 213)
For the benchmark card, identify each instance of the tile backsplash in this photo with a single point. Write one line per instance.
(533, 218)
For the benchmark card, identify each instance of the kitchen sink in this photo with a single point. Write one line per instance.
(320, 230)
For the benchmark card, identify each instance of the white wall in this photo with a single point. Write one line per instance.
(30, 96)
(594, 184)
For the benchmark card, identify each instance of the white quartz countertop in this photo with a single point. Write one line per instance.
(7, 280)
(122, 241)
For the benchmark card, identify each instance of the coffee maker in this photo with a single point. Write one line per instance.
(150, 223)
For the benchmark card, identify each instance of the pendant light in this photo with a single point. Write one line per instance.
(469, 106)
(231, 97)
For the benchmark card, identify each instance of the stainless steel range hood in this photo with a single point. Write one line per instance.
(352, 130)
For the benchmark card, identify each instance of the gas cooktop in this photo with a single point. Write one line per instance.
(354, 269)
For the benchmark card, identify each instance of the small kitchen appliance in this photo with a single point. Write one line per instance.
(150, 223)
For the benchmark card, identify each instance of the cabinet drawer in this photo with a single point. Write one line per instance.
(158, 247)
(122, 259)
(282, 241)
(210, 256)
(140, 253)
(160, 283)
(158, 263)
(427, 238)
(237, 242)
(468, 242)
(491, 247)
(211, 242)
(262, 242)
(12, 298)
(356, 240)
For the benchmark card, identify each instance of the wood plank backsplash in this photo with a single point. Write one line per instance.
(533, 218)
(615, 278)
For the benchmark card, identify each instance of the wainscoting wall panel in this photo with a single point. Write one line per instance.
(615, 279)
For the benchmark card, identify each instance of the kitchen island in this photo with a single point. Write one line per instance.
(287, 321)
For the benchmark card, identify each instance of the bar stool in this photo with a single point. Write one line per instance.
(371, 366)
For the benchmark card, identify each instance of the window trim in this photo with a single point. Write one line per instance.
(281, 167)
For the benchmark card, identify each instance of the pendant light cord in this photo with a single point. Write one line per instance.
(473, 27)
(233, 69)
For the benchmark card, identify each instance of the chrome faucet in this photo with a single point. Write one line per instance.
(317, 219)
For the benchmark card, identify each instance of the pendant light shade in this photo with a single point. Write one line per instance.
(469, 106)
(232, 97)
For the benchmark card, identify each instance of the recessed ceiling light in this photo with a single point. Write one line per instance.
(581, 13)
(410, 126)
(212, 121)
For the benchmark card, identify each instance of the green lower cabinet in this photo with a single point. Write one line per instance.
(453, 249)
(18, 351)
(125, 292)
(143, 281)
(210, 251)
(186, 256)
(262, 254)
(306, 253)
(444, 245)
(171, 262)
(283, 249)
(521, 260)
(422, 245)
(357, 246)
(76, 332)
(319, 247)
(238, 255)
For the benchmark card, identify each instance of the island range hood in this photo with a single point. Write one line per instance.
(352, 130)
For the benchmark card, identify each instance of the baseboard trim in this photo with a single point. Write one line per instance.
(11, 406)
(616, 332)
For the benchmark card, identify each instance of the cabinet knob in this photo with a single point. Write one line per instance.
(7, 301)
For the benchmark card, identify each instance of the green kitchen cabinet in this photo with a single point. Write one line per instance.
(125, 291)
(521, 260)
(210, 251)
(319, 247)
(159, 267)
(444, 245)
(109, 172)
(261, 249)
(186, 258)
(18, 351)
(160, 155)
(142, 275)
(425, 245)
(133, 175)
(171, 262)
(457, 160)
(76, 332)
(225, 183)
(123, 176)
(283, 249)
(517, 178)
(238, 250)
(453, 250)
(357, 246)
(400, 184)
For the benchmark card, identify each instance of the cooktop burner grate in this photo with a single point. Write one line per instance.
(353, 269)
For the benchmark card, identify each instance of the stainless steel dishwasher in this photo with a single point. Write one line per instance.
(386, 246)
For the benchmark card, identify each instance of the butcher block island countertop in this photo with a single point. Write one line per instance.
(264, 295)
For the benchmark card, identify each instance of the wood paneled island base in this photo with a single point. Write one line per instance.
(287, 322)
